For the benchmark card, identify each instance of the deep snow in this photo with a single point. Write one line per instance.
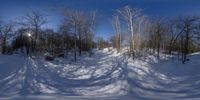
(107, 75)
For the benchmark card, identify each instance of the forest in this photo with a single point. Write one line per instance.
(132, 29)
(144, 58)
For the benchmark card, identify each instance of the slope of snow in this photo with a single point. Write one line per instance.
(107, 75)
(165, 79)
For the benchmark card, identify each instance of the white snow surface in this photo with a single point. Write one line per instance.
(107, 75)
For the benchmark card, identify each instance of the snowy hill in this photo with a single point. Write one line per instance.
(106, 75)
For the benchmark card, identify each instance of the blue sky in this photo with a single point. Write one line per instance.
(11, 9)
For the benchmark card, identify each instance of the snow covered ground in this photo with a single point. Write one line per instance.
(106, 75)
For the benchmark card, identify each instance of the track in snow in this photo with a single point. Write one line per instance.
(106, 75)
(98, 76)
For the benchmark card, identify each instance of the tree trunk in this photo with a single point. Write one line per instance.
(158, 50)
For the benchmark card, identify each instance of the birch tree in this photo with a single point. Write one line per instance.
(117, 39)
(129, 16)
(134, 22)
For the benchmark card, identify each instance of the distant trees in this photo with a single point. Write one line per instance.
(102, 43)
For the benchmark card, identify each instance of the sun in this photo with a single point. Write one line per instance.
(29, 34)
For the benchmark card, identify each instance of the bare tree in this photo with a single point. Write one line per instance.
(93, 25)
(82, 25)
(75, 19)
(158, 31)
(117, 39)
(175, 31)
(189, 24)
(5, 31)
(34, 21)
(88, 31)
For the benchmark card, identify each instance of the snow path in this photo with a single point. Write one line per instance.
(101, 75)
(106, 75)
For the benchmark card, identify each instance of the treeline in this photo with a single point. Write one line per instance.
(141, 35)
(76, 33)
(132, 29)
